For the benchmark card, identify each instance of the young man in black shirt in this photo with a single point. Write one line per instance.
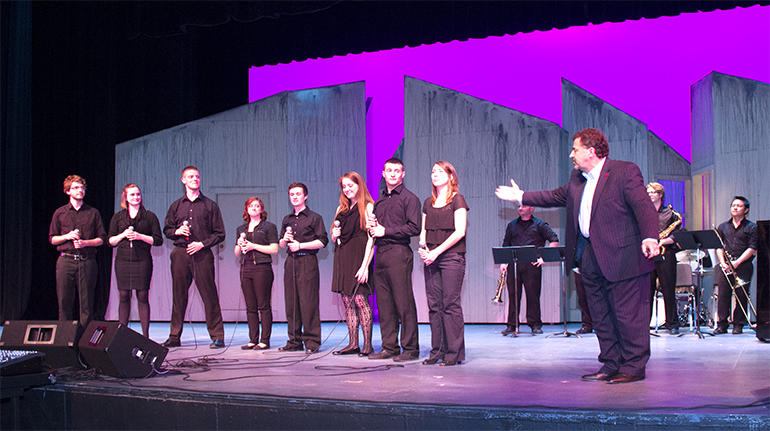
(397, 218)
(740, 239)
(76, 230)
(303, 232)
(194, 223)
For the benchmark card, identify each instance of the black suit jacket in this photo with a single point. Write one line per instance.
(621, 217)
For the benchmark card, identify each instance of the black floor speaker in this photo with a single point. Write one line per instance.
(118, 351)
(58, 339)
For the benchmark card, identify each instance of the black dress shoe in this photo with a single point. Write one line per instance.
(262, 346)
(431, 361)
(288, 348)
(406, 357)
(217, 344)
(585, 330)
(624, 378)
(508, 331)
(537, 330)
(449, 363)
(347, 351)
(382, 354)
(720, 330)
(673, 331)
(737, 330)
(171, 343)
(311, 351)
(364, 354)
(598, 377)
(248, 346)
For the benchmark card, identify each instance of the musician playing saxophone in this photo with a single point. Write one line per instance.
(669, 221)
(740, 239)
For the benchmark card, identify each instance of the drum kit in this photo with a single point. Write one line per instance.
(701, 268)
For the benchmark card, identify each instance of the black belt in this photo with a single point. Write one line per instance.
(300, 254)
(76, 256)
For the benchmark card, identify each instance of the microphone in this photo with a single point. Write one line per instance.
(77, 231)
(131, 242)
(186, 223)
(243, 237)
(337, 224)
(423, 245)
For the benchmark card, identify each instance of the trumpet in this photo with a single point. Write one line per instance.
(735, 282)
(500, 285)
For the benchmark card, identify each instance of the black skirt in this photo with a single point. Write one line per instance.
(133, 275)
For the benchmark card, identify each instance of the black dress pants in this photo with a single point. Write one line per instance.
(395, 298)
(184, 269)
(531, 277)
(301, 283)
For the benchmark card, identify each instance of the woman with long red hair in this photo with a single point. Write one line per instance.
(352, 258)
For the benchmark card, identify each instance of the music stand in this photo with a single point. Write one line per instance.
(523, 254)
(556, 254)
(697, 240)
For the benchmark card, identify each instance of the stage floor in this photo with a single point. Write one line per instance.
(726, 374)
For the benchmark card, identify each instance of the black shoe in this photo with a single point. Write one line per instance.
(171, 343)
(585, 330)
(508, 331)
(720, 330)
(347, 351)
(624, 378)
(673, 331)
(217, 344)
(262, 346)
(311, 351)
(248, 346)
(382, 354)
(431, 361)
(288, 348)
(407, 356)
(598, 377)
(449, 363)
(737, 330)
(537, 330)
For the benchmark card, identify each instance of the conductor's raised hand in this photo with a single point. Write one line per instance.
(509, 193)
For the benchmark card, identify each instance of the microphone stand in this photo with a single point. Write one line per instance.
(556, 254)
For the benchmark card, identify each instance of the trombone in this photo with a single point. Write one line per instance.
(735, 282)
(500, 286)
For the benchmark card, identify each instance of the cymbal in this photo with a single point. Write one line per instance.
(689, 255)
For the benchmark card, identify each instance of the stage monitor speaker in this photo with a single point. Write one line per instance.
(118, 351)
(58, 339)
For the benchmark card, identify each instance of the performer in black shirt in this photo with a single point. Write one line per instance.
(444, 220)
(665, 264)
(194, 223)
(134, 230)
(396, 219)
(526, 230)
(76, 230)
(257, 240)
(303, 232)
(740, 238)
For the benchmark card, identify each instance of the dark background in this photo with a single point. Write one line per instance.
(77, 78)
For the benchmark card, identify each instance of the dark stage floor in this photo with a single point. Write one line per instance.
(695, 379)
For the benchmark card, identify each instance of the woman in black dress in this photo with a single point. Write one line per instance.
(257, 240)
(442, 249)
(352, 257)
(134, 230)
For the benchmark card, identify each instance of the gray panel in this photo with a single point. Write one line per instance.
(488, 145)
(313, 136)
(702, 125)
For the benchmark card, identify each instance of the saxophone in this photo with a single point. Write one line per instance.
(667, 231)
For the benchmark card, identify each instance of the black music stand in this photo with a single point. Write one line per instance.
(556, 254)
(523, 254)
(697, 240)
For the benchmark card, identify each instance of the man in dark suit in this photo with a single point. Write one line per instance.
(611, 233)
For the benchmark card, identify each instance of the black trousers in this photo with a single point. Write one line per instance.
(585, 313)
(257, 287)
(619, 311)
(76, 279)
(301, 283)
(185, 269)
(665, 271)
(531, 277)
(395, 298)
(443, 289)
(725, 294)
